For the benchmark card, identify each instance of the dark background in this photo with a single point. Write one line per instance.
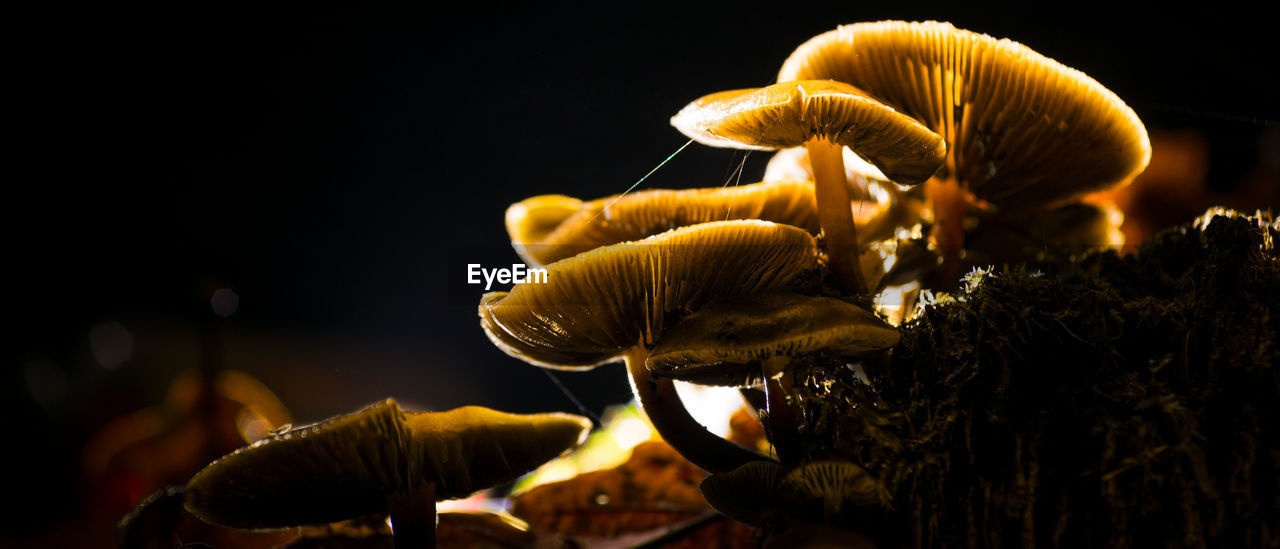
(338, 168)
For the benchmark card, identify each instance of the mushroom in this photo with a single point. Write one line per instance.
(617, 301)
(822, 116)
(758, 494)
(614, 219)
(832, 484)
(1023, 129)
(747, 494)
(737, 342)
(379, 459)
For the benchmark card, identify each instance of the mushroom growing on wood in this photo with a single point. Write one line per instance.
(380, 459)
(614, 219)
(1023, 129)
(822, 116)
(734, 343)
(616, 302)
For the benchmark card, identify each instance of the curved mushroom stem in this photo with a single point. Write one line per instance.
(413, 517)
(835, 214)
(658, 400)
(947, 234)
(782, 425)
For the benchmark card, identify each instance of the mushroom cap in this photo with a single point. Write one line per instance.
(346, 466)
(834, 484)
(598, 304)
(722, 343)
(1023, 129)
(747, 494)
(789, 114)
(531, 220)
(639, 215)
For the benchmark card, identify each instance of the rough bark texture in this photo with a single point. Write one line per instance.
(1103, 401)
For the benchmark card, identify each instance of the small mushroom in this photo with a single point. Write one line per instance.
(766, 494)
(748, 494)
(614, 219)
(617, 301)
(737, 342)
(822, 116)
(1024, 130)
(832, 485)
(380, 459)
(531, 220)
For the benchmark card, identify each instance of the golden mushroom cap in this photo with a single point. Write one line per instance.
(532, 219)
(346, 466)
(613, 219)
(711, 345)
(596, 305)
(1023, 129)
(791, 113)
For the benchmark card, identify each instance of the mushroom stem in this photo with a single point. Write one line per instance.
(413, 517)
(659, 401)
(835, 215)
(947, 234)
(782, 423)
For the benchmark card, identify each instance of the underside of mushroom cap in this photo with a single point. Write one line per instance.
(1023, 129)
(789, 114)
(596, 305)
(833, 484)
(748, 494)
(612, 220)
(763, 327)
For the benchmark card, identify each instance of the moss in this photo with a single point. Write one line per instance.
(1104, 401)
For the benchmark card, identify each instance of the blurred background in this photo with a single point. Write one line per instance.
(295, 193)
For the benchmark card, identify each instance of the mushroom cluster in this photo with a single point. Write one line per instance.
(886, 132)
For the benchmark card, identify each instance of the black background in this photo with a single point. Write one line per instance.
(339, 168)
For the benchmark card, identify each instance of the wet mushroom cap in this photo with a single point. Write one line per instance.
(347, 466)
(1023, 129)
(706, 345)
(613, 219)
(597, 305)
(789, 114)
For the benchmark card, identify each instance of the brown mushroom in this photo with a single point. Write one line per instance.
(822, 116)
(832, 485)
(617, 301)
(531, 220)
(748, 494)
(1023, 130)
(379, 459)
(614, 219)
